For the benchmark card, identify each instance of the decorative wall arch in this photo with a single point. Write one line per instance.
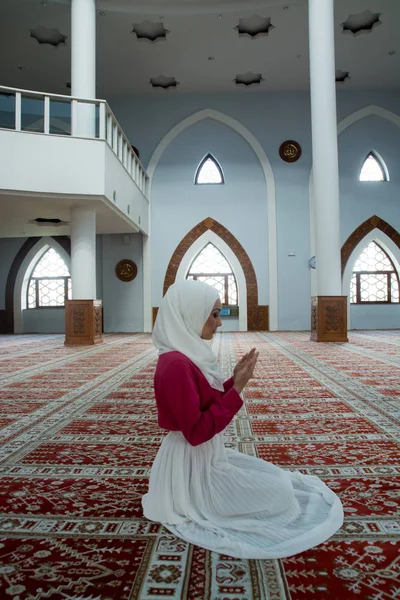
(259, 151)
(373, 229)
(210, 237)
(8, 318)
(362, 230)
(355, 116)
(257, 316)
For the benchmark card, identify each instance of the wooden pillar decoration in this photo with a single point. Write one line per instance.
(329, 319)
(83, 322)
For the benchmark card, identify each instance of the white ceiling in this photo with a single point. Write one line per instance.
(198, 30)
(17, 212)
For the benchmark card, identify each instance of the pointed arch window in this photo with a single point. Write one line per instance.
(211, 266)
(374, 168)
(209, 171)
(50, 282)
(375, 278)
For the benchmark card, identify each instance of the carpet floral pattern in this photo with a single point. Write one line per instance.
(78, 431)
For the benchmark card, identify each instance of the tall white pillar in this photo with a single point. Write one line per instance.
(83, 253)
(328, 307)
(83, 63)
(324, 147)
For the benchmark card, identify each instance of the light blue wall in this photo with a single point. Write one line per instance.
(360, 200)
(271, 118)
(122, 301)
(43, 320)
(239, 205)
(375, 317)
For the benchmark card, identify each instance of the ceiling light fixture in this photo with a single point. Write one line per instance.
(254, 26)
(341, 76)
(363, 22)
(164, 82)
(44, 35)
(248, 78)
(150, 31)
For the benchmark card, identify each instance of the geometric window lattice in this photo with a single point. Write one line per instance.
(373, 169)
(375, 278)
(211, 266)
(50, 282)
(209, 171)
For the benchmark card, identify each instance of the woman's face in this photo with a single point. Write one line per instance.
(213, 322)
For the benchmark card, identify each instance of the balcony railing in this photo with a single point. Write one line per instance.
(54, 114)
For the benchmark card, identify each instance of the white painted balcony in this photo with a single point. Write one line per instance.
(60, 151)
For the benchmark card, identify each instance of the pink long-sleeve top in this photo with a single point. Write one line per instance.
(186, 402)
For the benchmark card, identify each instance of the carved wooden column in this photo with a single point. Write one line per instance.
(329, 319)
(83, 322)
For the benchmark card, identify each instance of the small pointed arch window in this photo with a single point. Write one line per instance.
(374, 168)
(209, 171)
(50, 282)
(375, 278)
(211, 266)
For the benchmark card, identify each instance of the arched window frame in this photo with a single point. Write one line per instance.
(207, 157)
(66, 278)
(382, 165)
(388, 276)
(198, 275)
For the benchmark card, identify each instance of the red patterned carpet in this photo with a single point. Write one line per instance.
(79, 432)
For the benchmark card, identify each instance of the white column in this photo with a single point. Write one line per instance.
(324, 147)
(83, 62)
(83, 253)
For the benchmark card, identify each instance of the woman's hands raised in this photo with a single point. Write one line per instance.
(243, 371)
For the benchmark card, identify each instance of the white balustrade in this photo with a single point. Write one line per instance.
(65, 121)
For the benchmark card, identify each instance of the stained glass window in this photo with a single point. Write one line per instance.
(375, 278)
(372, 169)
(211, 266)
(209, 171)
(50, 282)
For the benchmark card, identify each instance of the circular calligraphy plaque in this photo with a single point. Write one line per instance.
(290, 151)
(126, 270)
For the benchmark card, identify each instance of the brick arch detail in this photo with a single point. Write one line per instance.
(362, 230)
(257, 316)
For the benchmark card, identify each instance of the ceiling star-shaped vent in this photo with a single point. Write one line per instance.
(48, 36)
(248, 78)
(152, 32)
(254, 26)
(363, 22)
(341, 76)
(164, 82)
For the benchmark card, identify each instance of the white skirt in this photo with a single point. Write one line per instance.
(236, 504)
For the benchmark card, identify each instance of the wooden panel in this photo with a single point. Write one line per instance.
(83, 322)
(329, 319)
(155, 311)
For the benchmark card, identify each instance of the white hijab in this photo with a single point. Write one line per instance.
(180, 320)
